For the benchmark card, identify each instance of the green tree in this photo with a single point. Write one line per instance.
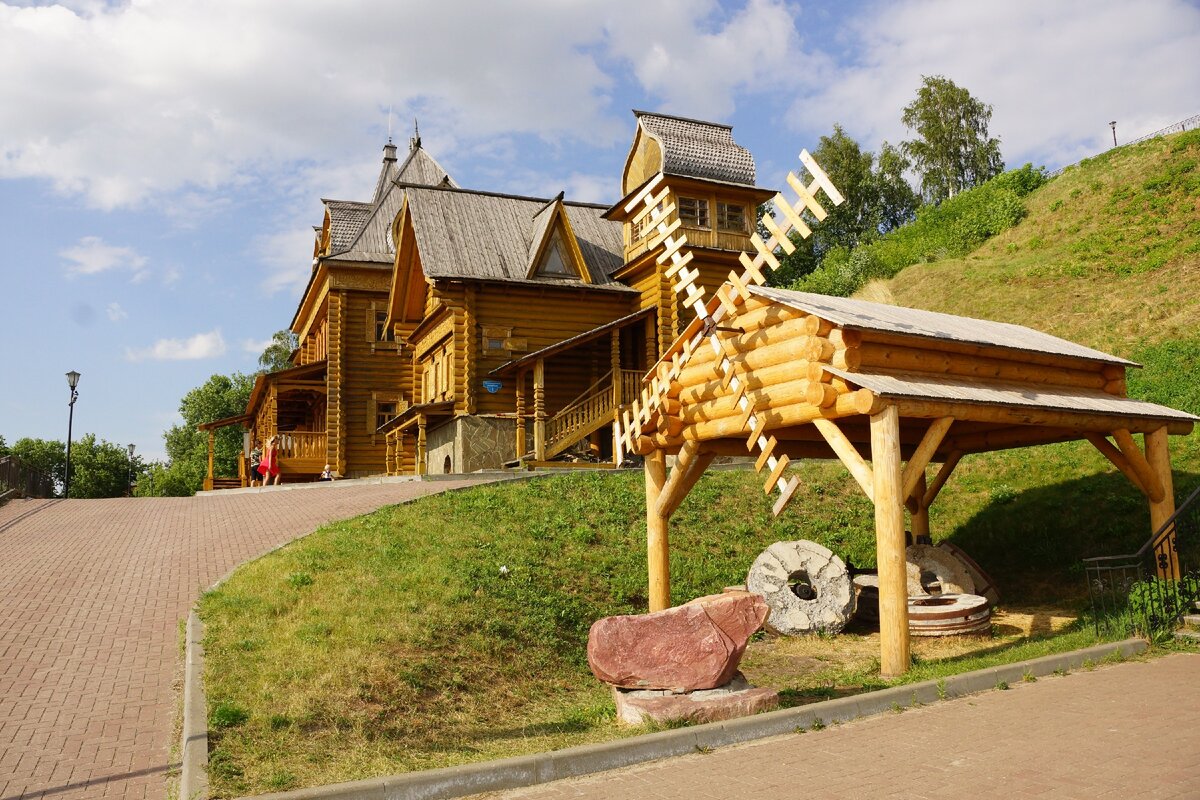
(44, 455)
(99, 468)
(278, 354)
(878, 199)
(952, 150)
(219, 397)
(3, 446)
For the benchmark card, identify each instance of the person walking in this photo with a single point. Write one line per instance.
(269, 468)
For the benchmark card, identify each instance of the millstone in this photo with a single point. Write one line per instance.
(984, 585)
(949, 615)
(806, 586)
(951, 573)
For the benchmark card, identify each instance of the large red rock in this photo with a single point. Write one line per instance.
(735, 699)
(694, 646)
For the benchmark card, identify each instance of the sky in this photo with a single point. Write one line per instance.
(162, 161)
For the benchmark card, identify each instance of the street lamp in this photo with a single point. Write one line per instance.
(1113, 125)
(131, 470)
(72, 382)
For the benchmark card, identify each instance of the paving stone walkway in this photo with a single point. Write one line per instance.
(1129, 730)
(91, 596)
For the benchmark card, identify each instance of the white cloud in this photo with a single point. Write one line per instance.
(255, 348)
(287, 257)
(200, 346)
(1055, 73)
(91, 256)
(116, 313)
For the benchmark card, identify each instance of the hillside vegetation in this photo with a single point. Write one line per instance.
(454, 629)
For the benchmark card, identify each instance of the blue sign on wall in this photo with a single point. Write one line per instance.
(492, 386)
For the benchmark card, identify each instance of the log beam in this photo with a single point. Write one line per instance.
(889, 542)
(915, 468)
(1159, 456)
(920, 515)
(940, 479)
(1109, 451)
(1139, 464)
(658, 563)
(848, 454)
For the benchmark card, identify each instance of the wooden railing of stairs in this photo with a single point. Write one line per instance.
(596, 407)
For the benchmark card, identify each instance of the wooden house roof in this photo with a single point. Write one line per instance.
(696, 149)
(864, 315)
(463, 234)
(346, 219)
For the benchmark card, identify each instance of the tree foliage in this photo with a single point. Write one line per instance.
(952, 150)
(278, 354)
(99, 468)
(878, 199)
(219, 397)
(45, 455)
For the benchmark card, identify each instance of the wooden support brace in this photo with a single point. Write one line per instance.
(797, 223)
(739, 284)
(696, 296)
(744, 419)
(1109, 451)
(685, 279)
(673, 248)
(776, 474)
(764, 251)
(752, 439)
(651, 207)
(752, 269)
(848, 454)
(778, 235)
(914, 470)
(785, 497)
(644, 193)
(939, 480)
(728, 303)
(766, 454)
(678, 264)
(811, 202)
(820, 178)
(1139, 464)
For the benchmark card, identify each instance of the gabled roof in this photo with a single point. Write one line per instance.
(865, 315)
(696, 149)
(346, 218)
(372, 239)
(464, 234)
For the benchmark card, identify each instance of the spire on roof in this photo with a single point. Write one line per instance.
(415, 141)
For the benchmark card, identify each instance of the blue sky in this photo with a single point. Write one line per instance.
(162, 161)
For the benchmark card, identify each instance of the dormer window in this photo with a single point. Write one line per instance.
(693, 212)
(731, 217)
(644, 228)
(555, 259)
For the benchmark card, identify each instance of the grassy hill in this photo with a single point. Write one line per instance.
(395, 641)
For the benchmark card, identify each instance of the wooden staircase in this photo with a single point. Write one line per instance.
(597, 407)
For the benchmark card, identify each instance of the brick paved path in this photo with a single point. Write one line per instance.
(91, 595)
(1131, 730)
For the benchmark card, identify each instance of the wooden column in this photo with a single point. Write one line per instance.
(212, 444)
(889, 542)
(657, 545)
(421, 466)
(539, 409)
(520, 414)
(617, 393)
(920, 515)
(1159, 456)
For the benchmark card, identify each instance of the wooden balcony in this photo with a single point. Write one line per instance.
(302, 452)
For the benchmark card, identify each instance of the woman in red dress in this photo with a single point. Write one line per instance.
(269, 467)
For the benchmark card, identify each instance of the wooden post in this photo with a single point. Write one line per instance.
(657, 545)
(520, 414)
(617, 393)
(421, 466)
(920, 517)
(889, 542)
(539, 409)
(212, 444)
(1159, 456)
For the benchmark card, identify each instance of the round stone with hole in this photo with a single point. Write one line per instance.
(932, 570)
(806, 586)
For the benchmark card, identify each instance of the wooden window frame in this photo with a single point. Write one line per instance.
(723, 209)
(693, 213)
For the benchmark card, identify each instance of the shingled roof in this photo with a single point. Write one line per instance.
(371, 240)
(346, 218)
(485, 236)
(696, 149)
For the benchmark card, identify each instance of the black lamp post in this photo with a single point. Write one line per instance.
(131, 470)
(72, 381)
(1113, 125)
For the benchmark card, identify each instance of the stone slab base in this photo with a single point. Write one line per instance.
(735, 699)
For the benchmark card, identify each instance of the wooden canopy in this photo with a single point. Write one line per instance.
(887, 391)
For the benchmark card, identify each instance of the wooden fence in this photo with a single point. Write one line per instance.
(19, 479)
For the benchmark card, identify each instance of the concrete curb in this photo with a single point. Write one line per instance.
(522, 771)
(193, 775)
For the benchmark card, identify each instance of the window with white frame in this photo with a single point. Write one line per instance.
(693, 212)
(731, 217)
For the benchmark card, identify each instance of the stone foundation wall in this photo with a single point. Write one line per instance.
(471, 444)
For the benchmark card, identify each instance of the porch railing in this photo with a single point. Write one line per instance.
(1150, 590)
(18, 478)
(589, 411)
(302, 445)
